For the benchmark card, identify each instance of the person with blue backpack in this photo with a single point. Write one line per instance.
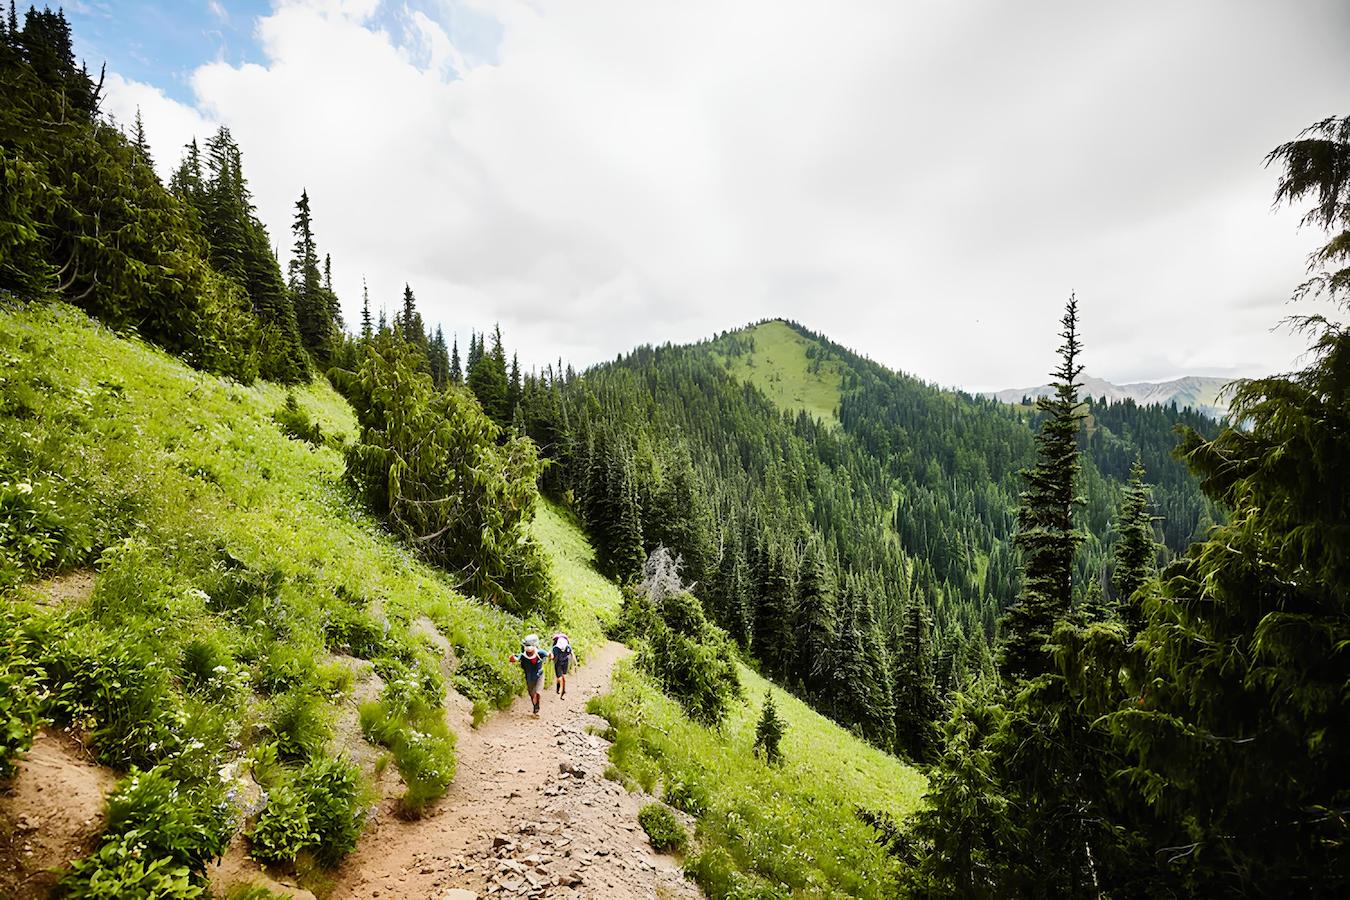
(562, 661)
(531, 660)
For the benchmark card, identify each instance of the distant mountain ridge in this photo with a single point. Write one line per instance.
(1199, 392)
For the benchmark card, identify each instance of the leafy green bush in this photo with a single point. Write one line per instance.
(283, 828)
(120, 870)
(687, 793)
(300, 723)
(414, 730)
(284, 667)
(108, 684)
(36, 533)
(208, 667)
(691, 659)
(21, 690)
(321, 808)
(663, 829)
(446, 478)
(351, 631)
(295, 422)
(188, 825)
(337, 801)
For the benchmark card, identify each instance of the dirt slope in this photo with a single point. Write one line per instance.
(529, 815)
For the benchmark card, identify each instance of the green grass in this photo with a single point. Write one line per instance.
(764, 830)
(780, 367)
(589, 600)
(230, 560)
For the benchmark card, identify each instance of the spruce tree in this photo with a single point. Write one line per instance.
(817, 627)
(488, 381)
(1046, 535)
(456, 370)
(139, 142)
(313, 312)
(367, 331)
(916, 701)
(1136, 550)
(769, 731)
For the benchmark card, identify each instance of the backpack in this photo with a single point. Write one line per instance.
(561, 647)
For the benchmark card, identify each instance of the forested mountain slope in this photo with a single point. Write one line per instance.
(843, 519)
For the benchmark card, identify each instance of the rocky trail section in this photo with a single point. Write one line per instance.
(529, 815)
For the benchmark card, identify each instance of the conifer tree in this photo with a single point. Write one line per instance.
(139, 142)
(312, 309)
(1136, 550)
(1046, 535)
(456, 370)
(775, 642)
(769, 731)
(817, 627)
(367, 331)
(513, 388)
(916, 701)
(488, 380)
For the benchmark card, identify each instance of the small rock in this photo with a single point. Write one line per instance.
(500, 841)
(458, 894)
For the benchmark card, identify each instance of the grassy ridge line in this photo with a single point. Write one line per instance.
(780, 368)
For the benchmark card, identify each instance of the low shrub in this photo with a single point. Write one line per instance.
(687, 794)
(691, 659)
(208, 667)
(416, 734)
(663, 828)
(320, 808)
(337, 799)
(21, 689)
(295, 423)
(121, 869)
(300, 724)
(351, 631)
(107, 684)
(283, 828)
(36, 533)
(189, 825)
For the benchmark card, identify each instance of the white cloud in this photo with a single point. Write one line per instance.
(924, 182)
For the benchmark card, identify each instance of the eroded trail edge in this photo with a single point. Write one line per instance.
(529, 814)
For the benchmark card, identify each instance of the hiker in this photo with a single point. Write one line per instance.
(562, 661)
(531, 661)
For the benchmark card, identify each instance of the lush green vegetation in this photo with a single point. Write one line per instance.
(1196, 745)
(787, 366)
(764, 829)
(230, 569)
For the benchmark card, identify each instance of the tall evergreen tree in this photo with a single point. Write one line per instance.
(916, 700)
(139, 141)
(313, 310)
(488, 380)
(367, 330)
(456, 370)
(817, 626)
(1046, 534)
(1136, 550)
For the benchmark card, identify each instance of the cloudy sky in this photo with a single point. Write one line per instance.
(923, 181)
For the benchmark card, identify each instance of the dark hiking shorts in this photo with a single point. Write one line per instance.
(561, 664)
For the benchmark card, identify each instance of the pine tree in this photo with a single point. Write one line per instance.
(139, 142)
(513, 388)
(817, 627)
(1136, 550)
(456, 371)
(769, 731)
(1046, 535)
(367, 331)
(488, 380)
(312, 309)
(775, 642)
(1242, 714)
(916, 702)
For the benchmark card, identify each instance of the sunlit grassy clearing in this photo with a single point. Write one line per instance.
(780, 368)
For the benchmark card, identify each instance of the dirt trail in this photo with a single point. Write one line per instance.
(529, 815)
(51, 813)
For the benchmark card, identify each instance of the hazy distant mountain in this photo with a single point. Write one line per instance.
(1198, 392)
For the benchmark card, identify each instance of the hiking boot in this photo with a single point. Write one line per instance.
(536, 708)
(557, 687)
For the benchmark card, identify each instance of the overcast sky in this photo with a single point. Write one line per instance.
(922, 181)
